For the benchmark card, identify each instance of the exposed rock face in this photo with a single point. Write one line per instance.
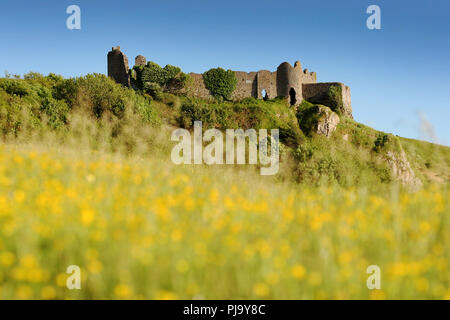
(327, 122)
(402, 170)
(319, 119)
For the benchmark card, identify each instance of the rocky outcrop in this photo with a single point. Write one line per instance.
(328, 121)
(318, 119)
(402, 171)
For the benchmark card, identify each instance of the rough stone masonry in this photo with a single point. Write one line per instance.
(290, 82)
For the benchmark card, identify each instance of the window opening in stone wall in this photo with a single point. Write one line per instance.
(264, 95)
(292, 96)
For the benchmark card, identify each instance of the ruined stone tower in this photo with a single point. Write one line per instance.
(287, 81)
(118, 66)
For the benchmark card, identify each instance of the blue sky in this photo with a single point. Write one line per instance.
(399, 75)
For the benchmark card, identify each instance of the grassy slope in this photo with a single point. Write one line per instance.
(145, 228)
(430, 161)
(116, 119)
(85, 179)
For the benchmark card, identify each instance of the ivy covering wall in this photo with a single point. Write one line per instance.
(220, 82)
(170, 78)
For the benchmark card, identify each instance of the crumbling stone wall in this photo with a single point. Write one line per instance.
(267, 81)
(309, 77)
(249, 84)
(252, 84)
(347, 100)
(245, 85)
(318, 93)
(287, 81)
(198, 88)
(118, 67)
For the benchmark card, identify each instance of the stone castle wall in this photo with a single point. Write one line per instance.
(197, 88)
(249, 84)
(253, 84)
(315, 92)
(265, 81)
(347, 100)
(309, 77)
(287, 81)
(118, 66)
(245, 85)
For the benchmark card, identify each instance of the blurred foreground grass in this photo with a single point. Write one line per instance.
(146, 229)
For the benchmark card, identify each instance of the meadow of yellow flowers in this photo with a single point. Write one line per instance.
(146, 229)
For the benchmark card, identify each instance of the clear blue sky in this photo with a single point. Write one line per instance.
(399, 75)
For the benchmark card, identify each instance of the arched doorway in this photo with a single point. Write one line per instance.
(264, 95)
(292, 97)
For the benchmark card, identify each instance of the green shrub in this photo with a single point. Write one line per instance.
(361, 136)
(304, 152)
(249, 113)
(39, 101)
(154, 90)
(56, 112)
(178, 83)
(308, 117)
(211, 114)
(171, 100)
(221, 83)
(33, 76)
(169, 78)
(104, 95)
(386, 142)
(334, 98)
(321, 160)
(143, 107)
(331, 98)
(170, 72)
(65, 89)
(152, 72)
(15, 87)
(380, 142)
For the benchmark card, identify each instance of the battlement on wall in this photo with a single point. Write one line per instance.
(290, 82)
(309, 77)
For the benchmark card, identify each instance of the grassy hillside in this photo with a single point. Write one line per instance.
(86, 179)
(93, 111)
(144, 228)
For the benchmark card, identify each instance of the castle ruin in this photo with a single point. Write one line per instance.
(287, 81)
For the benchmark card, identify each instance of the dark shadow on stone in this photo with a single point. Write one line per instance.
(255, 88)
(292, 96)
